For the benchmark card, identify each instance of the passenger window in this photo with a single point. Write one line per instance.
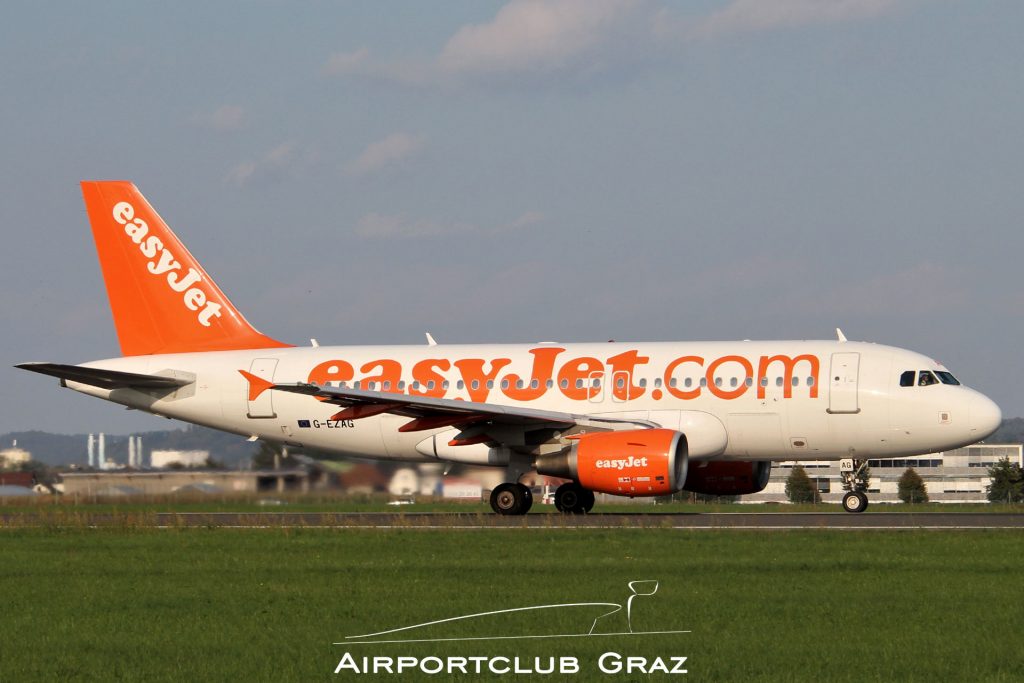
(687, 383)
(749, 381)
(795, 381)
(534, 384)
(733, 382)
(778, 381)
(460, 385)
(490, 384)
(764, 381)
(564, 383)
(926, 379)
(907, 379)
(504, 384)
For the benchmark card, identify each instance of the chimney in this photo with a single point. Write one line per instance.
(131, 451)
(91, 449)
(102, 455)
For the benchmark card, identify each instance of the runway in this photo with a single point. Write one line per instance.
(541, 520)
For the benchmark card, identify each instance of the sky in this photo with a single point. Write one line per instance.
(572, 170)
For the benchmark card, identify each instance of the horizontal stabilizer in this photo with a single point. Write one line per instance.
(105, 379)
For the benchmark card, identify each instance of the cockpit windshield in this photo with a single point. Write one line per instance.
(927, 378)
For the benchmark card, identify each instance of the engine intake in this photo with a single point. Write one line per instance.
(637, 462)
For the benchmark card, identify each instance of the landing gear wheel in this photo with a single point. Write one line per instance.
(573, 498)
(855, 501)
(511, 499)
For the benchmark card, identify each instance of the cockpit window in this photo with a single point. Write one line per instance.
(907, 378)
(926, 378)
(947, 378)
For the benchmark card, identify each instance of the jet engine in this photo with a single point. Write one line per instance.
(636, 462)
(728, 478)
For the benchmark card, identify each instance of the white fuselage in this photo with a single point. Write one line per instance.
(785, 400)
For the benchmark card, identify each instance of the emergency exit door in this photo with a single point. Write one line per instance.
(263, 405)
(842, 394)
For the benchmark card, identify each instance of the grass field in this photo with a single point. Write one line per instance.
(202, 604)
(341, 502)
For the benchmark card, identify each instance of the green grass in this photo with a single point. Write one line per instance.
(202, 604)
(340, 502)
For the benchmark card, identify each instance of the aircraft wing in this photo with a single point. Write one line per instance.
(434, 413)
(105, 379)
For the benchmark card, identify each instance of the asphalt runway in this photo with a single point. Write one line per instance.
(406, 520)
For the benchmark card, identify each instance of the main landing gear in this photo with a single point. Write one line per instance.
(573, 498)
(511, 499)
(854, 500)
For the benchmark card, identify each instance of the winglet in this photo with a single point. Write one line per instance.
(839, 335)
(257, 385)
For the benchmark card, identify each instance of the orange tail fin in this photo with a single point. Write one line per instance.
(162, 299)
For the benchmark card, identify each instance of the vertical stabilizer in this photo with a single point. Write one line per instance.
(161, 298)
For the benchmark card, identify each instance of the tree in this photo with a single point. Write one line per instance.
(911, 487)
(1007, 482)
(800, 488)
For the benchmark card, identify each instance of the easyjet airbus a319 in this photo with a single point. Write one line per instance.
(634, 419)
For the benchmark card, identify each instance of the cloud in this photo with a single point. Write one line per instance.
(529, 35)
(384, 226)
(225, 117)
(765, 15)
(274, 165)
(525, 37)
(539, 39)
(393, 149)
(340, 63)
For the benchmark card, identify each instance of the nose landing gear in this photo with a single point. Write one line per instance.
(855, 500)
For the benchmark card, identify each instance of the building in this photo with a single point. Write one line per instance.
(127, 483)
(162, 459)
(957, 476)
(13, 457)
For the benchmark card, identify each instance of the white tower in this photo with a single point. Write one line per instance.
(92, 450)
(102, 455)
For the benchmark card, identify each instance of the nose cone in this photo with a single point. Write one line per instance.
(985, 417)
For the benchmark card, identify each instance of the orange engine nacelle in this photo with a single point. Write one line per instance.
(728, 478)
(639, 462)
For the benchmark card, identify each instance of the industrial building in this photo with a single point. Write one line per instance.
(957, 476)
(126, 483)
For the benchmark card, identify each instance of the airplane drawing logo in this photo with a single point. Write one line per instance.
(637, 589)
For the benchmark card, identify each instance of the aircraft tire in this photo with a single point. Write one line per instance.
(855, 502)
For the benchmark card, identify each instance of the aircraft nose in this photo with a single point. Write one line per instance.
(985, 416)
